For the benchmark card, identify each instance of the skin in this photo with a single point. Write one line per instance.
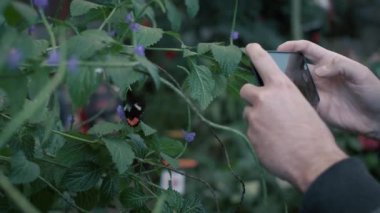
(289, 137)
(288, 134)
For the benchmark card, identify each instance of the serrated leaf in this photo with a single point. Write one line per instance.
(152, 70)
(104, 128)
(88, 43)
(220, 85)
(87, 199)
(201, 85)
(109, 188)
(192, 7)
(171, 161)
(121, 153)
(22, 170)
(203, 48)
(174, 15)
(133, 198)
(237, 80)
(122, 77)
(81, 176)
(148, 36)
(188, 53)
(82, 84)
(80, 7)
(139, 147)
(39, 47)
(170, 146)
(74, 151)
(147, 129)
(228, 57)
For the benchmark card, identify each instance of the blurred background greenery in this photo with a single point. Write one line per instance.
(349, 27)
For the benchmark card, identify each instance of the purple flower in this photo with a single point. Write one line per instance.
(139, 50)
(134, 26)
(112, 33)
(129, 18)
(69, 121)
(40, 3)
(31, 29)
(53, 58)
(14, 58)
(120, 112)
(235, 35)
(72, 64)
(189, 136)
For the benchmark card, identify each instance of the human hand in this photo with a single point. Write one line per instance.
(287, 134)
(349, 92)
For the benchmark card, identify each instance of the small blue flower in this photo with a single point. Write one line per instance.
(69, 121)
(189, 136)
(120, 112)
(134, 27)
(40, 3)
(53, 58)
(235, 35)
(72, 64)
(129, 18)
(31, 29)
(112, 33)
(139, 50)
(14, 58)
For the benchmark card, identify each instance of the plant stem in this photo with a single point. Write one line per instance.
(61, 194)
(48, 28)
(296, 19)
(234, 22)
(221, 127)
(14, 194)
(74, 137)
(107, 19)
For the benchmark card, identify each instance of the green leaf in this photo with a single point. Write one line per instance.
(74, 152)
(237, 80)
(80, 7)
(88, 43)
(133, 198)
(19, 14)
(39, 47)
(174, 15)
(152, 70)
(82, 176)
(192, 7)
(109, 188)
(82, 84)
(170, 146)
(220, 85)
(16, 90)
(104, 128)
(122, 77)
(147, 129)
(139, 147)
(201, 85)
(121, 152)
(203, 48)
(148, 36)
(228, 57)
(172, 161)
(22, 170)
(36, 81)
(87, 199)
(188, 53)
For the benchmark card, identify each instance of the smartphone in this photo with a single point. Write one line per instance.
(294, 65)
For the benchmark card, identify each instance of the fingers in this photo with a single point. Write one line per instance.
(264, 64)
(347, 68)
(249, 93)
(310, 50)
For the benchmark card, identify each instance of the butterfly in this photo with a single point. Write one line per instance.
(133, 109)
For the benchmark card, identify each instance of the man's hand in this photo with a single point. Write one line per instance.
(349, 91)
(289, 137)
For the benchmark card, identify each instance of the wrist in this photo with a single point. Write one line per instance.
(317, 167)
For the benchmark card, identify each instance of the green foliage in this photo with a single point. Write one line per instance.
(148, 36)
(23, 170)
(227, 57)
(81, 7)
(104, 128)
(82, 176)
(121, 152)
